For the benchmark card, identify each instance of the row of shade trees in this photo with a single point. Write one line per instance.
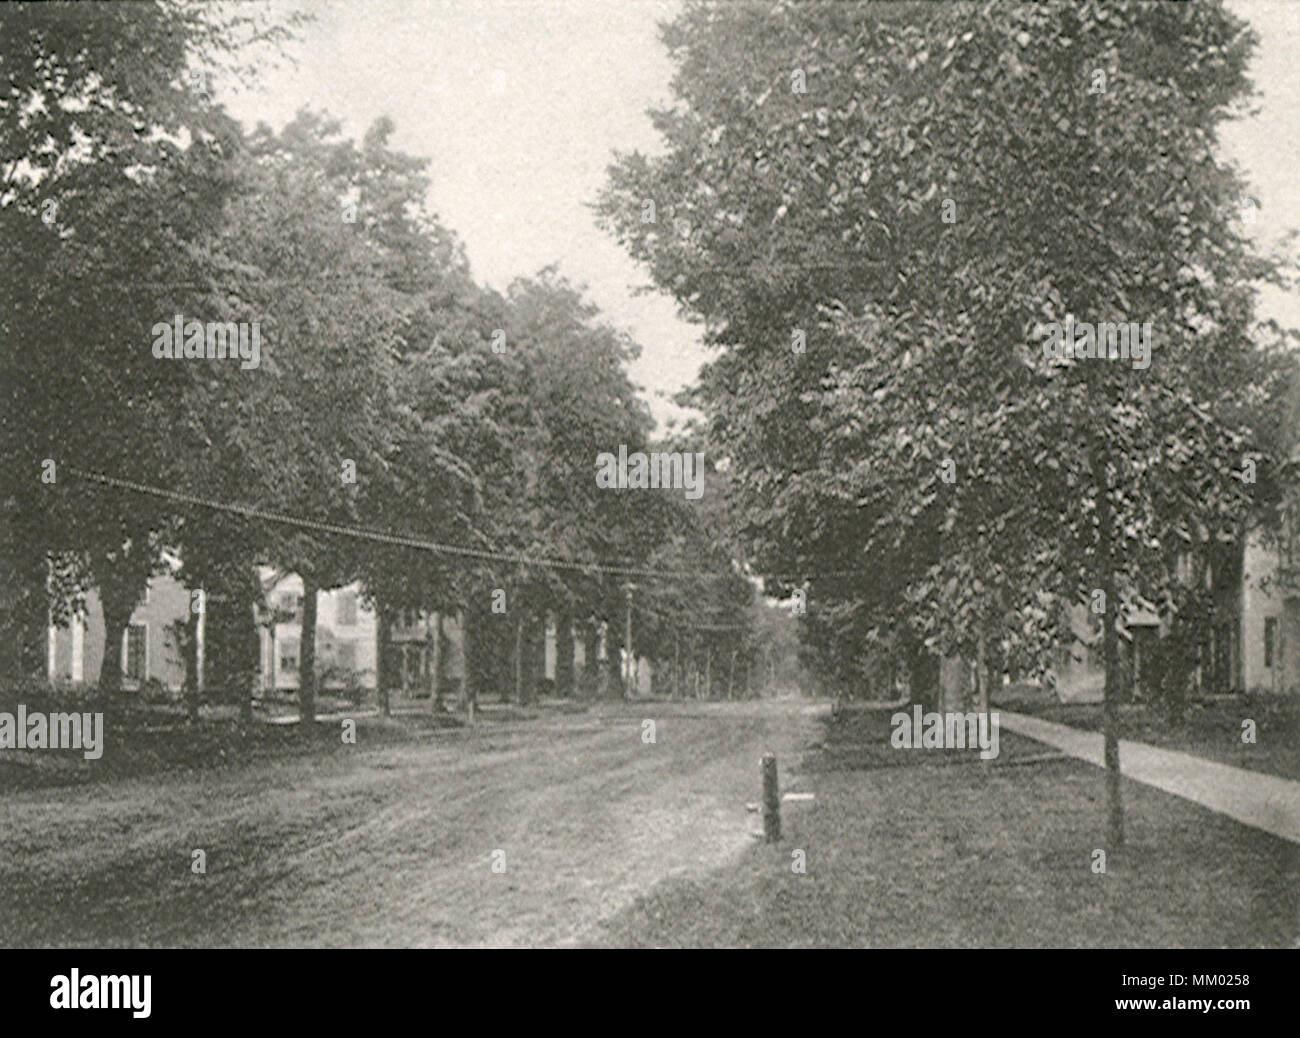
(404, 426)
(877, 210)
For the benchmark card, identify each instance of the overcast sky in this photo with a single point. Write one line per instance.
(520, 104)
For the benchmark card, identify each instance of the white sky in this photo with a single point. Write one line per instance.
(520, 104)
(1265, 145)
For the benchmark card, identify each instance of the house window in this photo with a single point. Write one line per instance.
(347, 609)
(1270, 633)
(289, 656)
(345, 654)
(133, 652)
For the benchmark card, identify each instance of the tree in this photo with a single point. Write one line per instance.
(878, 255)
(105, 214)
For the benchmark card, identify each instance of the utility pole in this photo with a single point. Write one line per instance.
(627, 642)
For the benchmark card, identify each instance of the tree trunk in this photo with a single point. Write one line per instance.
(437, 672)
(469, 649)
(590, 664)
(535, 657)
(383, 680)
(731, 677)
(922, 676)
(565, 655)
(630, 683)
(993, 671)
(613, 664)
(307, 654)
(519, 660)
(381, 657)
(246, 688)
(122, 578)
(1110, 651)
(191, 648)
(110, 668)
(954, 683)
(24, 601)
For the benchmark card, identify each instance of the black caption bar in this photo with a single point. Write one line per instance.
(143, 988)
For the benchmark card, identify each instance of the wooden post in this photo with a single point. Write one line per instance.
(771, 801)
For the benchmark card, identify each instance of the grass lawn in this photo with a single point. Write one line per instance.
(918, 848)
(1211, 729)
(156, 738)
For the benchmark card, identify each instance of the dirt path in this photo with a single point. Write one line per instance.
(395, 846)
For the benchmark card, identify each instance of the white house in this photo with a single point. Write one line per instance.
(346, 633)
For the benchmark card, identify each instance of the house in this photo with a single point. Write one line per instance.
(1079, 667)
(412, 653)
(1254, 640)
(152, 652)
(1261, 633)
(346, 633)
(151, 649)
(347, 641)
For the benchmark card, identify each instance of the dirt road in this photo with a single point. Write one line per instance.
(394, 846)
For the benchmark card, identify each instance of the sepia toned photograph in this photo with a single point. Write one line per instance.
(650, 474)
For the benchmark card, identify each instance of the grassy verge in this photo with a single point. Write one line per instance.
(908, 848)
(145, 738)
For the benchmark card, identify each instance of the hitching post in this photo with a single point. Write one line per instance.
(771, 802)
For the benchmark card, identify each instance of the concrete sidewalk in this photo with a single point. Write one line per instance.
(1249, 797)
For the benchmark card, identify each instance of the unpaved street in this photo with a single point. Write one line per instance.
(394, 846)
